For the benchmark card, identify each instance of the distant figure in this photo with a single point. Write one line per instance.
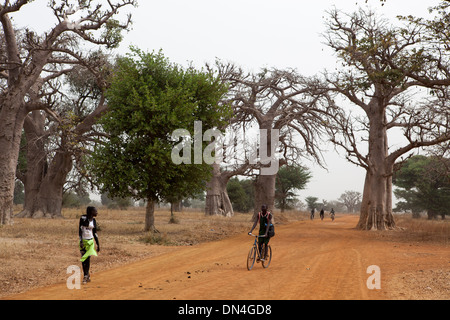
(322, 213)
(312, 213)
(332, 214)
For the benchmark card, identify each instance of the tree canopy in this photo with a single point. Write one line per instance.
(241, 194)
(311, 202)
(383, 66)
(289, 179)
(32, 65)
(149, 99)
(424, 185)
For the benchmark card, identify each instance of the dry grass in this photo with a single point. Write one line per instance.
(422, 229)
(37, 252)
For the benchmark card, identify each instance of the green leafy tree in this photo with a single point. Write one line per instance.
(424, 184)
(289, 179)
(241, 194)
(149, 99)
(311, 202)
(249, 187)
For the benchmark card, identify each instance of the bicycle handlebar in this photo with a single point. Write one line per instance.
(256, 235)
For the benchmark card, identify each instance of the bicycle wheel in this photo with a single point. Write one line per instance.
(268, 257)
(251, 258)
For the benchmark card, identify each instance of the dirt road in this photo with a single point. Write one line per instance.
(311, 260)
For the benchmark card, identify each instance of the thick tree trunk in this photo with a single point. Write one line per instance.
(365, 203)
(217, 200)
(266, 180)
(36, 167)
(390, 222)
(11, 118)
(13, 111)
(376, 208)
(43, 184)
(46, 200)
(264, 192)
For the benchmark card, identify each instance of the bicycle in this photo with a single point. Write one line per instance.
(251, 258)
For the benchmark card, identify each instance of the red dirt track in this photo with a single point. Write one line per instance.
(311, 260)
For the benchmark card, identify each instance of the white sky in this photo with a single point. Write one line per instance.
(256, 34)
(252, 34)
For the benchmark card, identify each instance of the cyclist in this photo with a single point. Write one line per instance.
(312, 213)
(332, 214)
(265, 222)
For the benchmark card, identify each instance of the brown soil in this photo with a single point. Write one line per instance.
(311, 260)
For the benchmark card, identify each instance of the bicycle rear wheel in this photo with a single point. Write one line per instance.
(251, 258)
(268, 257)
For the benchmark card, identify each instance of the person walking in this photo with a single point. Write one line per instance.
(87, 232)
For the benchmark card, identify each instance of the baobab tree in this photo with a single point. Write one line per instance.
(383, 68)
(280, 101)
(234, 150)
(30, 62)
(54, 142)
(351, 199)
(217, 200)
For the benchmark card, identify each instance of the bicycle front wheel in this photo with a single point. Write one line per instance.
(251, 258)
(268, 257)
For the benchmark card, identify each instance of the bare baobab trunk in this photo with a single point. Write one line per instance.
(365, 202)
(10, 136)
(217, 200)
(376, 208)
(24, 57)
(265, 192)
(44, 182)
(266, 180)
(45, 198)
(388, 82)
(13, 110)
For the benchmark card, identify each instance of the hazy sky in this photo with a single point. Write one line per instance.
(255, 34)
(252, 34)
